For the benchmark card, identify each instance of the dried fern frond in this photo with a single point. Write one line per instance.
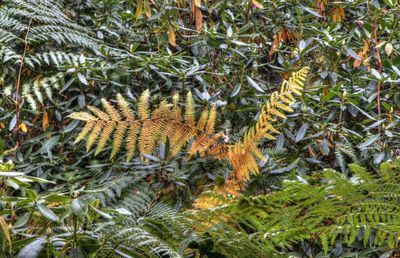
(244, 154)
(143, 132)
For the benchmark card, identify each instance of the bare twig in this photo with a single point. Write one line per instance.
(379, 70)
(18, 84)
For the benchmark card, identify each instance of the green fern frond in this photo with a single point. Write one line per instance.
(365, 210)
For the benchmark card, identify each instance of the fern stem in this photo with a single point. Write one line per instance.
(18, 84)
(379, 71)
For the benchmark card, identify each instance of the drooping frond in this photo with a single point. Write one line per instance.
(144, 132)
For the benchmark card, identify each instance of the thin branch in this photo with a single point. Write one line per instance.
(379, 70)
(18, 84)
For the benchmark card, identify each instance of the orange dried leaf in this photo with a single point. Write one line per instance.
(198, 19)
(45, 121)
(338, 14)
(23, 127)
(361, 54)
(275, 45)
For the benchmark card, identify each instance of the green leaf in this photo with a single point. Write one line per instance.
(49, 145)
(254, 84)
(102, 214)
(11, 174)
(324, 145)
(316, 14)
(47, 212)
(164, 149)
(12, 123)
(353, 54)
(368, 142)
(76, 252)
(396, 70)
(376, 74)
(301, 132)
(78, 208)
(82, 79)
(236, 90)
(33, 249)
(22, 220)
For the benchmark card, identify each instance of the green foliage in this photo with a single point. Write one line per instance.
(24, 27)
(231, 54)
(328, 209)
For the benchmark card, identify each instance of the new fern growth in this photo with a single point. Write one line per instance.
(146, 129)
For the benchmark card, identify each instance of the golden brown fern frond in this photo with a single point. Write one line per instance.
(244, 154)
(143, 105)
(143, 133)
(189, 112)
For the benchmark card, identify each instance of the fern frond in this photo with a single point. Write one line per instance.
(336, 208)
(244, 154)
(144, 133)
(143, 105)
(189, 113)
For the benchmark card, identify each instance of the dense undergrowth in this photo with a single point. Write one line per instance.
(211, 128)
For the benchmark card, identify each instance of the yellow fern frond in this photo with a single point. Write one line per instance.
(177, 113)
(211, 120)
(118, 137)
(82, 135)
(105, 136)
(203, 120)
(100, 114)
(83, 116)
(93, 135)
(244, 154)
(124, 107)
(133, 132)
(189, 112)
(148, 130)
(179, 137)
(143, 105)
(111, 111)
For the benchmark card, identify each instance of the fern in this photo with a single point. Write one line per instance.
(364, 208)
(152, 229)
(145, 130)
(345, 149)
(34, 93)
(40, 22)
(243, 155)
